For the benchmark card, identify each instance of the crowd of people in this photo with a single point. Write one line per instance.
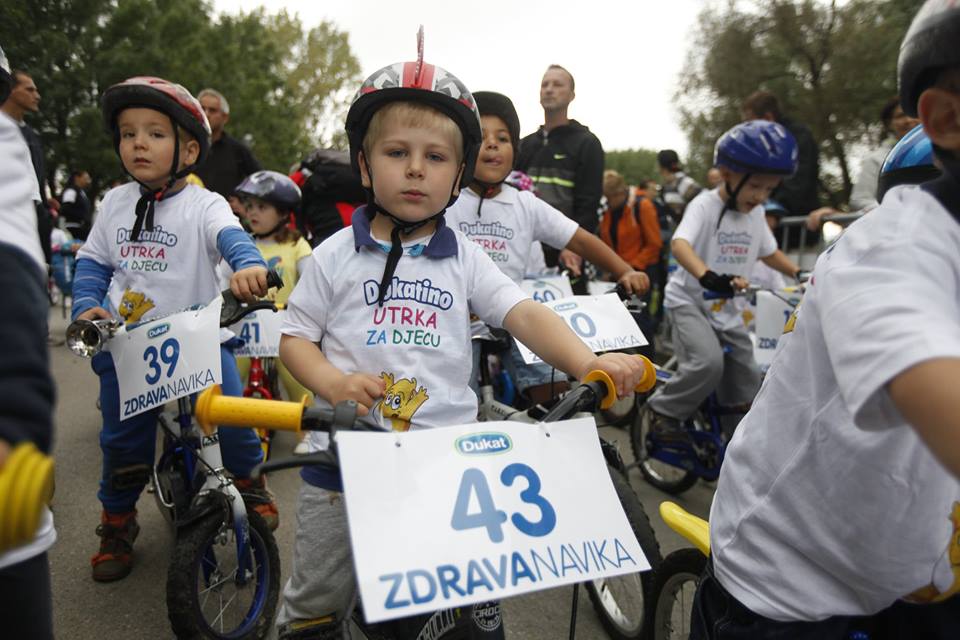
(837, 508)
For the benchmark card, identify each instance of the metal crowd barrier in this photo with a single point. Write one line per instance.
(804, 254)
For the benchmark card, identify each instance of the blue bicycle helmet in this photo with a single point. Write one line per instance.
(757, 146)
(909, 162)
(273, 187)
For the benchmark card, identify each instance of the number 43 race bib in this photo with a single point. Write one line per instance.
(167, 358)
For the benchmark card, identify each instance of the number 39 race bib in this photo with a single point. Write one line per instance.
(167, 358)
(447, 517)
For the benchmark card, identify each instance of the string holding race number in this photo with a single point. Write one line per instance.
(168, 358)
(601, 322)
(447, 517)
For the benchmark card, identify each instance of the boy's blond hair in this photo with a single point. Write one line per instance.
(413, 114)
(613, 182)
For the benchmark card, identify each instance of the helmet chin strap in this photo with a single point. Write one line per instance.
(487, 190)
(400, 227)
(146, 205)
(280, 225)
(731, 202)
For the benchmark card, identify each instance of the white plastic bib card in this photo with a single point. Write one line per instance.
(260, 332)
(447, 517)
(602, 322)
(167, 358)
(772, 314)
(600, 287)
(547, 288)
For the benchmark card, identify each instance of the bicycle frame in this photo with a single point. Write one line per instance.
(207, 457)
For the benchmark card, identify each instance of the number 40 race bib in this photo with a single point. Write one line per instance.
(167, 358)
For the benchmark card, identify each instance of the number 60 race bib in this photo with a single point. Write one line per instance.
(167, 358)
(447, 517)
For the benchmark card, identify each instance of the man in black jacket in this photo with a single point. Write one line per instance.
(230, 161)
(565, 162)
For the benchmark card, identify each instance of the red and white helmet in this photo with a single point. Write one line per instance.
(416, 82)
(164, 96)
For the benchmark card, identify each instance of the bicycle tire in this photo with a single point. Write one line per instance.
(679, 571)
(195, 553)
(665, 477)
(623, 602)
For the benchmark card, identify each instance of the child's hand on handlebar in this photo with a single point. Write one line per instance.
(625, 370)
(95, 313)
(635, 282)
(739, 283)
(249, 284)
(570, 261)
(362, 387)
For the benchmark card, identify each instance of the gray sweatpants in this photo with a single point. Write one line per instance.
(703, 366)
(321, 581)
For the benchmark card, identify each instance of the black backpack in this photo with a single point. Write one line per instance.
(331, 180)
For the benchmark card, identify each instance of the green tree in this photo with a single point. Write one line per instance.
(832, 67)
(636, 165)
(287, 85)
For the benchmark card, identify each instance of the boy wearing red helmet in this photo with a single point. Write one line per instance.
(153, 251)
(388, 301)
(837, 513)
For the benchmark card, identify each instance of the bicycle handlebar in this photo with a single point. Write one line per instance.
(749, 290)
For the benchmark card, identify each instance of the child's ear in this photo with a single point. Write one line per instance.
(940, 114)
(190, 152)
(364, 172)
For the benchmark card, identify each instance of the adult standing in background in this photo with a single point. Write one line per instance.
(896, 124)
(565, 161)
(678, 189)
(25, 98)
(230, 161)
(75, 205)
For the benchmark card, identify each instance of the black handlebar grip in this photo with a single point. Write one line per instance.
(273, 280)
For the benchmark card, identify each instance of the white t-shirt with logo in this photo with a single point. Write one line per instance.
(828, 502)
(418, 341)
(171, 267)
(731, 248)
(508, 225)
(18, 192)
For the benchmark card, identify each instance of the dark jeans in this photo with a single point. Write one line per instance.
(719, 616)
(25, 607)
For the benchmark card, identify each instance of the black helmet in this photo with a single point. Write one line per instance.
(931, 44)
(496, 104)
(6, 79)
(273, 187)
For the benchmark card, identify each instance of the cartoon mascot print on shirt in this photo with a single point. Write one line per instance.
(133, 305)
(401, 399)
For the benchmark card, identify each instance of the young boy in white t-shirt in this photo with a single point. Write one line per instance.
(505, 221)
(153, 251)
(723, 231)
(388, 301)
(839, 496)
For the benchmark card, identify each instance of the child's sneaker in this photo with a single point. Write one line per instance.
(302, 448)
(117, 533)
(667, 430)
(259, 498)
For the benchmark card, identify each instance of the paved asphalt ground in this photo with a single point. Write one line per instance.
(135, 607)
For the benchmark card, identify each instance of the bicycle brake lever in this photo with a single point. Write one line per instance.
(324, 459)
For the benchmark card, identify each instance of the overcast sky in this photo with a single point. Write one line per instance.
(625, 55)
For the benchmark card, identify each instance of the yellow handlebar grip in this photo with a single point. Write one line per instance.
(26, 487)
(215, 409)
(649, 378)
(691, 527)
(646, 382)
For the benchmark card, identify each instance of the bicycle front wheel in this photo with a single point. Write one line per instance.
(203, 597)
(674, 590)
(663, 476)
(622, 602)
